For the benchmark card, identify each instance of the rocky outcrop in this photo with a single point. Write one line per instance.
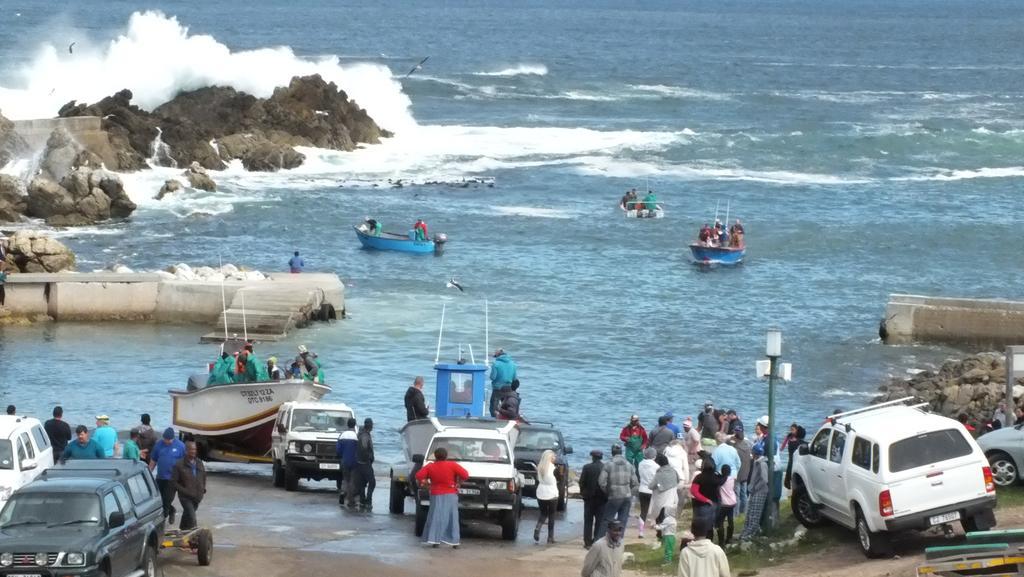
(214, 125)
(12, 199)
(198, 178)
(33, 251)
(170, 187)
(11, 145)
(64, 154)
(84, 196)
(972, 386)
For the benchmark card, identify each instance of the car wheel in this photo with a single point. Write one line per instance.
(1004, 470)
(804, 509)
(873, 544)
(979, 522)
(421, 518)
(509, 525)
(397, 502)
(278, 474)
(204, 549)
(291, 479)
(149, 562)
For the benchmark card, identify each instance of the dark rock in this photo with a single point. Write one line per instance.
(259, 153)
(169, 187)
(198, 178)
(131, 130)
(83, 197)
(12, 199)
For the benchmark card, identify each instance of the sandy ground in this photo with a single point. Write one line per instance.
(265, 531)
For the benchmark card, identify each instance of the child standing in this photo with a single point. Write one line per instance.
(668, 536)
(727, 494)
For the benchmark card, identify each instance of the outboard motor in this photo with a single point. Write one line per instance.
(439, 241)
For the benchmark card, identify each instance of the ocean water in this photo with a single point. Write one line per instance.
(868, 147)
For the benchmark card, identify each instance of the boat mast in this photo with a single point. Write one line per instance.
(223, 302)
(487, 335)
(437, 357)
(245, 328)
(726, 224)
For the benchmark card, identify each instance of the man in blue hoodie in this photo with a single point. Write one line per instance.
(346, 448)
(503, 372)
(166, 454)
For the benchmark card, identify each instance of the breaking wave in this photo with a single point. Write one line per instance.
(518, 70)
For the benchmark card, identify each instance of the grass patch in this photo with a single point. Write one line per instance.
(759, 555)
(1010, 497)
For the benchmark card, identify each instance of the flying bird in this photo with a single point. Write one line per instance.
(452, 283)
(417, 67)
(71, 48)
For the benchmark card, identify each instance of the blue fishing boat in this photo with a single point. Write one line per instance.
(400, 242)
(717, 255)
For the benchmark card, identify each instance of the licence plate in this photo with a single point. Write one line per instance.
(944, 518)
(330, 466)
(24, 575)
(469, 491)
(529, 481)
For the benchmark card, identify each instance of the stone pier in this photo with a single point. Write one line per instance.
(983, 322)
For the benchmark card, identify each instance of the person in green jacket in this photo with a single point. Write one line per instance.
(131, 447)
(223, 372)
(634, 436)
(651, 201)
(255, 371)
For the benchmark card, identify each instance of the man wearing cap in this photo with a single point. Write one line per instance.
(503, 372)
(105, 435)
(691, 440)
(593, 499)
(365, 482)
(634, 436)
(164, 457)
(618, 480)
(312, 370)
(670, 416)
(604, 559)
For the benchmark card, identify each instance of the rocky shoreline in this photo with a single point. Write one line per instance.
(973, 386)
(71, 183)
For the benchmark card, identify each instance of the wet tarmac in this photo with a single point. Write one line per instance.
(263, 530)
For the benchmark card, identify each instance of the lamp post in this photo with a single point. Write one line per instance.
(773, 350)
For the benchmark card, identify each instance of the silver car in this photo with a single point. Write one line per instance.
(1005, 451)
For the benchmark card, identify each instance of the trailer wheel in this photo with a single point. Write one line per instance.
(204, 548)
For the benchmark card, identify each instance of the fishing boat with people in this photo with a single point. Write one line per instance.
(416, 241)
(233, 421)
(633, 207)
(717, 245)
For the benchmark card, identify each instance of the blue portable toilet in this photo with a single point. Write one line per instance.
(460, 390)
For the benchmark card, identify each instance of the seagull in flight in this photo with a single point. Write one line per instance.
(71, 48)
(452, 283)
(417, 67)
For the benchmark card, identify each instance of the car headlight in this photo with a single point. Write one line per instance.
(5, 493)
(74, 559)
(307, 448)
(6, 559)
(293, 447)
(41, 559)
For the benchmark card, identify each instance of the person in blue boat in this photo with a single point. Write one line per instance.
(503, 372)
(296, 264)
(651, 201)
(373, 227)
(704, 236)
(736, 234)
(223, 372)
(420, 230)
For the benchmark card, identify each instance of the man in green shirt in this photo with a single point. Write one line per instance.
(83, 447)
(131, 447)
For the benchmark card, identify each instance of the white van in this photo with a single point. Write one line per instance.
(25, 452)
(889, 468)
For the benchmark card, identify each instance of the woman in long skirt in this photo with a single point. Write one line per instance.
(443, 477)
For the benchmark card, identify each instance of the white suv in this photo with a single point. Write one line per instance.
(304, 442)
(25, 452)
(891, 468)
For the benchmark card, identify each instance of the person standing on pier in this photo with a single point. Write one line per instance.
(604, 559)
(634, 436)
(83, 447)
(619, 481)
(415, 405)
(365, 480)
(593, 499)
(296, 264)
(147, 436)
(105, 435)
(59, 431)
(189, 481)
(166, 455)
(444, 476)
(346, 449)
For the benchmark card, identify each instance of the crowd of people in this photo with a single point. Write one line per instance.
(245, 367)
(176, 466)
(631, 201)
(718, 236)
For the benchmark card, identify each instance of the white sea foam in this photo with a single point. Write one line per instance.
(680, 92)
(968, 174)
(518, 70)
(618, 168)
(156, 57)
(532, 211)
(842, 393)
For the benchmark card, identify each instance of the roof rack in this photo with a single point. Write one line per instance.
(874, 407)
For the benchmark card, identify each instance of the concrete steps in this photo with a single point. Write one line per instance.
(273, 309)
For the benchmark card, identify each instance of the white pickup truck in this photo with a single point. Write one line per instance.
(484, 447)
(890, 468)
(304, 442)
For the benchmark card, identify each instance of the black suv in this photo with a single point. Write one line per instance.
(99, 518)
(534, 439)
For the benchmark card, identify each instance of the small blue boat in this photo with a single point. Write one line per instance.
(717, 255)
(400, 242)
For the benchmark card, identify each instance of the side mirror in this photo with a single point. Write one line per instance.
(281, 429)
(116, 520)
(803, 450)
(567, 450)
(28, 464)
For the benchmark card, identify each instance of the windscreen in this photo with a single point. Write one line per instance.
(538, 440)
(6, 455)
(472, 450)
(51, 509)
(926, 449)
(304, 420)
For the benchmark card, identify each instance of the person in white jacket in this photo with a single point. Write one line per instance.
(647, 470)
(547, 495)
(676, 454)
(701, 557)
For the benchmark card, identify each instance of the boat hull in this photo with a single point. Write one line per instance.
(396, 242)
(240, 416)
(644, 213)
(717, 255)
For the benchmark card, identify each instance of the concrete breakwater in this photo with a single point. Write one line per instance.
(152, 297)
(916, 318)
